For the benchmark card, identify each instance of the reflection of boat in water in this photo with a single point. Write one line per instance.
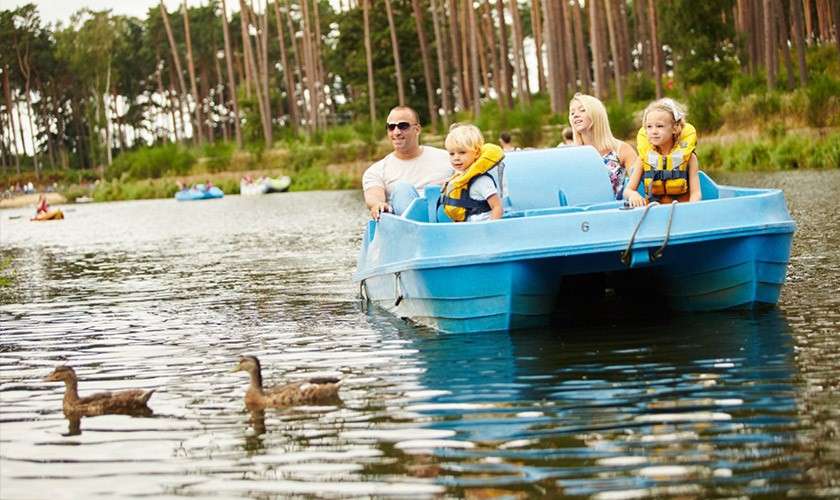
(561, 221)
(199, 192)
(608, 401)
(54, 214)
(265, 186)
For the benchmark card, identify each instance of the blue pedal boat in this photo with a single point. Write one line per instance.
(561, 221)
(199, 193)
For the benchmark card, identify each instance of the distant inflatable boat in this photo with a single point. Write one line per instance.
(54, 214)
(265, 186)
(199, 193)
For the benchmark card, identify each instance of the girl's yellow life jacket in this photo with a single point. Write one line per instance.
(455, 196)
(667, 175)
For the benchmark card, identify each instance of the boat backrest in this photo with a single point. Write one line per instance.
(555, 177)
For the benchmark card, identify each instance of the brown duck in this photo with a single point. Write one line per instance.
(131, 402)
(311, 391)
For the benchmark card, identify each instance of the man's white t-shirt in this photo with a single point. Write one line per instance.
(431, 166)
(482, 188)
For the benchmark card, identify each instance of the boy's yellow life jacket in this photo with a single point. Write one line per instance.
(455, 196)
(667, 175)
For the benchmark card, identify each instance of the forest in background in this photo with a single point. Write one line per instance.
(297, 85)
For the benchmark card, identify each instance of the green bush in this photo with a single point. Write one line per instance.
(151, 162)
(744, 84)
(826, 154)
(218, 155)
(704, 107)
(640, 88)
(766, 104)
(622, 120)
(792, 152)
(339, 135)
(822, 98)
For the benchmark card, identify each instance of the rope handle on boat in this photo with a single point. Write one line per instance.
(397, 291)
(657, 254)
(625, 255)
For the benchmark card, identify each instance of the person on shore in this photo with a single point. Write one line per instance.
(42, 207)
(471, 194)
(568, 137)
(506, 142)
(591, 127)
(666, 161)
(392, 183)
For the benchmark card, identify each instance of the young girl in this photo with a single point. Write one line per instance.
(591, 127)
(471, 194)
(666, 157)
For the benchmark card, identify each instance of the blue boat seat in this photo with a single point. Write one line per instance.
(556, 177)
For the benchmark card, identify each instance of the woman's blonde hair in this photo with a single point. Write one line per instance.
(602, 137)
(464, 135)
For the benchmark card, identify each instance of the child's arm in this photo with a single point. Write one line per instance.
(631, 193)
(694, 179)
(495, 206)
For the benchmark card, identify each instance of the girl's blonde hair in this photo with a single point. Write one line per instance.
(465, 136)
(674, 109)
(670, 106)
(602, 137)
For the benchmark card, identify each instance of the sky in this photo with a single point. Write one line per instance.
(61, 10)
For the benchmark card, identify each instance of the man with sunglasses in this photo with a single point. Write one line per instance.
(393, 182)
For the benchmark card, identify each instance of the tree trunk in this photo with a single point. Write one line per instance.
(537, 27)
(553, 82)
(319, 66)
(809, 22)
(309, 66)
(191, 68)
(567, 53)
(783, 30)
(369, 57)
(466, 72)
(427, 63)
(395, 46)
(476, 86)
(506, 91)
(597, 50)
(656, 49)
(580, 48)
(612, 22)
(295, 51)
(441, 61)
(107, 119)
(799, 40)
(231, 83)
(220, 96)
(8, 95)
(490, 43)
(641, 33)
(769, 44)
(174, 49)
(251, 66)
(287, 73)
(518, 60)
(455, 53)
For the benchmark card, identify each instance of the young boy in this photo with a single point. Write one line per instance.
(471, 194)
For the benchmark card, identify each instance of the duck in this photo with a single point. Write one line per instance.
(130, 402)
(311, 391)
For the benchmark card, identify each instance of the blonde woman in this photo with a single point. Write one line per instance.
(591, 127)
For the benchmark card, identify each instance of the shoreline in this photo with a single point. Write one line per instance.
(30, 200)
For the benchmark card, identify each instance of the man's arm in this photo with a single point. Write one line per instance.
(376, 201)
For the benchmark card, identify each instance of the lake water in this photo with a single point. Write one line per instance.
(165, 295)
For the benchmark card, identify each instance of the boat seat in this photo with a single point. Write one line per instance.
(556, 177)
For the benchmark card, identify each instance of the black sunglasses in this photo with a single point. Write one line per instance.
(400, 125)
